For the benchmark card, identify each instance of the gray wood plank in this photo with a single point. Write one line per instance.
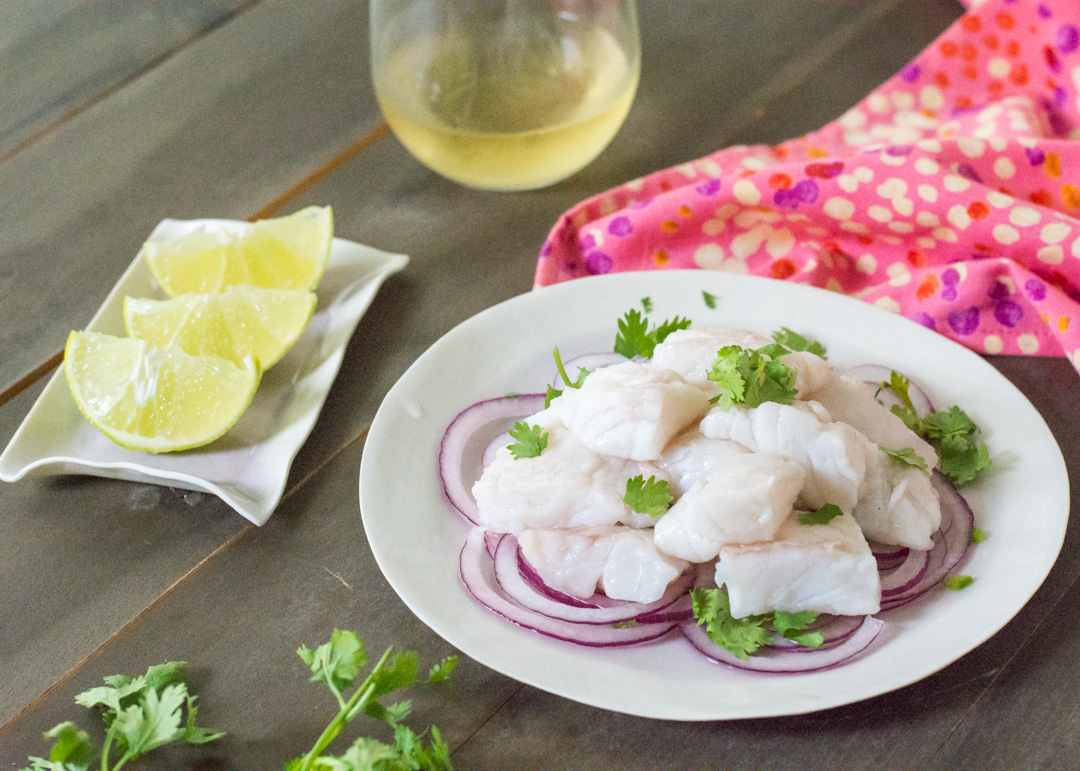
(62, 55)
(220, 129)
(239, 621)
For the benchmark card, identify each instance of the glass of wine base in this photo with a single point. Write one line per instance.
(505, 94)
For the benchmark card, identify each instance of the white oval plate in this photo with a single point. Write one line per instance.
(1022, 504)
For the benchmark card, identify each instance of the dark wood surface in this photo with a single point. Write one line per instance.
(237, 109)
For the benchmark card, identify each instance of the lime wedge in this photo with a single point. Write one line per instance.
(157, 401)
(242, 321)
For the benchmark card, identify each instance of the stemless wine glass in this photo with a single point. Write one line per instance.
(505, 94)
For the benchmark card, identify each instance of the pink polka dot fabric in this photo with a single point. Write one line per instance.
(951, 194)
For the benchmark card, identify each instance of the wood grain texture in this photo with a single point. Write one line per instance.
(63, 55)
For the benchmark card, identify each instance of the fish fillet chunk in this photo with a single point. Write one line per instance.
(747, 500)
(629, 410)
(827, 568)
(691, 457)
(691, 352)
(834, 454)
(898, 504)
(620, 561)
(811, 372)
(852, 401)
(567, 485)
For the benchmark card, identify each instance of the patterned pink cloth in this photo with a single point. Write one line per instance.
(950, 194)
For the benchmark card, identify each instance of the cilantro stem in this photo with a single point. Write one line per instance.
(105, 750)
(348, 711)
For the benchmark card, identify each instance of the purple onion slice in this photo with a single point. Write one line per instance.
(501, 413)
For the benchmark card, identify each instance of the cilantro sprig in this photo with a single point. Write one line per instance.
(338, 663)
(954, 435)
(820, 516)
(648, 496)
(553, 392)
(793, 341)
(141, 714)
(906, 456)
(530, 440)
(752, 377)
(743, 636)
(636, 339)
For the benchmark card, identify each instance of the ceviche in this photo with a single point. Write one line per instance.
(712, 480)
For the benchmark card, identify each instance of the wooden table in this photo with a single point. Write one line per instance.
(118, 115)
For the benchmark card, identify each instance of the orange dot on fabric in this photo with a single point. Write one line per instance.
(941, 79)
(780, 151)
(817, 152)
(916, 258)
(746, 173)
(1042, 197)
(686, 212)
(1070, 194)
(1012, 48)
(784, 268)
(1005, 20)
(665, 186)
(984, 248)
(780, 181)
(968, 52)
(928, 286)
(865, 240)
(1019, 74)
(971, 23)
(1045, 318)
(978, 210)
(1052, 164)
(661, 257)
(949, 48)
(991, 42)
(1063, 323)
(995, 87)
(963, 102)
(1006, 191)
(971, 73)
(669, 226)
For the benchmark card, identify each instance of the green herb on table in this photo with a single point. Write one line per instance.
(793, 341)
(140, 713)
(821, 516)
(338, 664)
(636, 339)
(648, 496)
(530, 441)
(743, 636)
(751, 377)
(950, 432)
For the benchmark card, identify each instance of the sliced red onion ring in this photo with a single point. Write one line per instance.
(468, 423)
(876, 374)
(906, 576)
(785, 660)
(502, 440)
(589, 361)
(529, 574)
(477, 572)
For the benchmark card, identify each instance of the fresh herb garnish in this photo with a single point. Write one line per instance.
(978, 535)
(743, 636)
(635, 338)
(624, 624)
(530, 441)
(710, 299)
(646, 304)
(820, 516)
(956, 583)
(648, 496)
(907, 457)
(338, 663)
(141, 713)
(793, 341)
(950, 432)
(552, 394)
(752, 377)
(582, 372)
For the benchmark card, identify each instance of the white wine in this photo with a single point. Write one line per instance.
(516, 119)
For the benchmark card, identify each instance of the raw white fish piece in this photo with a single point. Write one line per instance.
(834, 453)
(691, 457)
(629, 410)
(622, 562)
(567, 485)
(691, 352)
(827, 568)
(852, 402)
(811, 372)
(898, 504)
(746, 500)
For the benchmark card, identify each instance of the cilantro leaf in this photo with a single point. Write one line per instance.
(635, 338)
(978, 535)
(337, 662)
(648, 496)
(740, 636)
(73, 750)
(962, 459)
(793, 627)
(531, 441)
(956, 583)
(793, 341)
(646, 304)
(906, 456)
(551, 395)
(751, 377)
(667, 327)
(710, 299)
(152, 722)
(441, 671)
(820, 516)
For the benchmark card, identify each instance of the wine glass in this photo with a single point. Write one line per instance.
(505, 94)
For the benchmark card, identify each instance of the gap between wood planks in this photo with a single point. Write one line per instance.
(265, 212)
